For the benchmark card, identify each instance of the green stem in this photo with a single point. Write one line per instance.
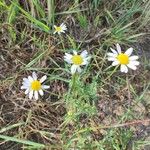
(72, 87)
(73, 82)
(112, 73)
(62, 42)
(72, 92)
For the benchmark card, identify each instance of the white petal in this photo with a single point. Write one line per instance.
(115, 63)
(41, 92)
(123, 68)
(55, 26)
(75, 52)
(126, 70)
(84, 54)
(68, 56)
(132, 66)
(112, 59)
(27, 84)
(34, 76)
(45, 87)
(26, 80)
(69, 61)
(43, 79)
(118, 48)
(86, 61)
(23, 87)
(73, 68)
(79, 69)
(27, 91)
(54, 32)
(134, 62)
(114, 51)
(112, 55)
(133, 58)
(129, 51)
(30, 94)
(30, 78)
(62, 25)
(62, 31)
(36, 95)
(64, 28)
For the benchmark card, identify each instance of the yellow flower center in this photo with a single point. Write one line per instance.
(36, 85)
(123, 59)
(58, 29)
(77, 59)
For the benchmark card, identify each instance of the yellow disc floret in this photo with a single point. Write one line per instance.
(58, 29)
(35, 85)
(77, 60)
(123, 59)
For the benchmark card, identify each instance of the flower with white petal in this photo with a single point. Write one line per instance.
(33, 87)
(60, 29)
(125, 60)
(77, 60)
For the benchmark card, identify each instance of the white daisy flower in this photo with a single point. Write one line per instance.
(60, 29)
(125, 60)
(33, 87)
(77, 60)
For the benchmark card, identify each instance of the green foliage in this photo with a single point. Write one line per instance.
(82, 20)
(116, 139)
(50, 4)
(36, 22)
(96, 3)
(11, 18)
(81, 99)
(39, 9)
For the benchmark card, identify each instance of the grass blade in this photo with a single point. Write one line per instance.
(34, 20)
(14, 139)
(50, 4)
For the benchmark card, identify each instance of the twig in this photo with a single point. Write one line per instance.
(99, 34)
(135, 122)
(126, 124)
